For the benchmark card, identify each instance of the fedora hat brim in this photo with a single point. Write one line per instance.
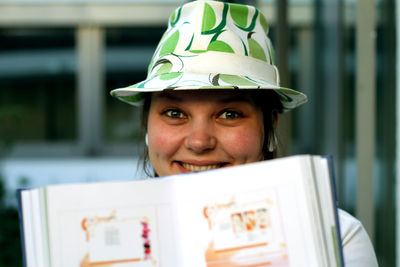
(205, 81)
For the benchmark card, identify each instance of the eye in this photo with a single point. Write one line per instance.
(230, 114)
(174, 114)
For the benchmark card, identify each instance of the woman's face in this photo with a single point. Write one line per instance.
(201, 130)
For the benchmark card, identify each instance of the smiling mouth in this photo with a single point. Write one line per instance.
(197, 168)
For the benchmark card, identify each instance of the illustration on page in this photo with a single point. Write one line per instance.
(246, 230)
(114, 237)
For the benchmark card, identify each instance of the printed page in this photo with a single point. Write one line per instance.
(245, 231)
(254, 215)
(112, 224)
(113, 237)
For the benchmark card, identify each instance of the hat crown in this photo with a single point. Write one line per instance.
(213, 45)
(200, 27)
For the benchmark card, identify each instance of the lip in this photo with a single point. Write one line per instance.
(195, 166)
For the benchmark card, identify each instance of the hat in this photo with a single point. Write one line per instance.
(213, 45)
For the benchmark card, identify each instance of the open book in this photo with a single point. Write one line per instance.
(280, 212)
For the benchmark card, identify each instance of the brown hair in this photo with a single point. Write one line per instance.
(267, 100)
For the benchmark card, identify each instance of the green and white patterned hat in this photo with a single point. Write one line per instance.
(213, 45)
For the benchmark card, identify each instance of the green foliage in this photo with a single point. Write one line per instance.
(10, 117)
(10, 242)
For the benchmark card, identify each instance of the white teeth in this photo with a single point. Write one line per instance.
(197, 168)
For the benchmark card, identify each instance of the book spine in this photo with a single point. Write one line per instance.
(329, 159)
(21, 225)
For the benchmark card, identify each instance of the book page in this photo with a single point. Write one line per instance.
(111, 224)
(252, 215)
(113, 237)
(245, 230)
(258, 214)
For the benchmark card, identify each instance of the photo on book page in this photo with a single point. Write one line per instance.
(115, 238)
(246, 230)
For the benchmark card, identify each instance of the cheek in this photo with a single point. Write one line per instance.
(163, 140)
(245, 142)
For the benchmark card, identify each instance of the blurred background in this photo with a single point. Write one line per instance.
(58, 124)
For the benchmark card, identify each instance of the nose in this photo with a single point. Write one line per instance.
(201, 137)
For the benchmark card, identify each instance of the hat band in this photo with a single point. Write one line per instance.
(224, 63)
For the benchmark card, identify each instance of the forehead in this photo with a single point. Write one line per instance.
(222, 96)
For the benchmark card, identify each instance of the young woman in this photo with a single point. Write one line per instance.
(212, 99)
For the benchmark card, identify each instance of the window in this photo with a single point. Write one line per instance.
(37, 85)
(128, 53)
